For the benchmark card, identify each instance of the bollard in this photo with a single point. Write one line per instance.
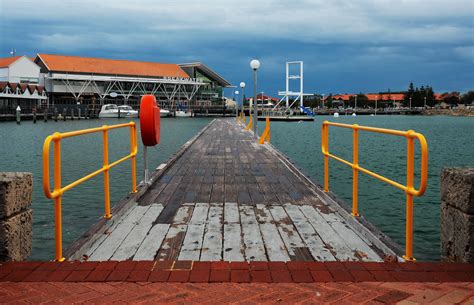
(16, 216)
(119, 113)
(34, 115)
(457, 214)
(18, 114)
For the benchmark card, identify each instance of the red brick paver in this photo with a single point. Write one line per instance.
(229, 282)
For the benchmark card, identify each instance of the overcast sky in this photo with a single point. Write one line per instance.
(346, 45)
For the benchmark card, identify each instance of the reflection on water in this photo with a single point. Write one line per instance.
(21, 149)
(450, 143)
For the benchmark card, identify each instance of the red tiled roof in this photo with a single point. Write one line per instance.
(5, 62)
(372, 96)
(77, 64)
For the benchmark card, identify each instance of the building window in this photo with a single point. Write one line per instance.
(29, 80)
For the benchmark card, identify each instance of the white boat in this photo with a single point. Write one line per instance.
(112, 111)
(109, 111)
(353, 114)
(164, 113)
(127, 111)
(182, 114)
(336, 114)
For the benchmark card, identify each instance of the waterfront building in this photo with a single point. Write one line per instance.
(88, 83)
(20, 85)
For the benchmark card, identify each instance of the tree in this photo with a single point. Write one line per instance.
(451, 98)
(362, 101)
(467, 98)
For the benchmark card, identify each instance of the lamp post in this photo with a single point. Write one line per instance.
(424, 102)
(255, 64)
(242, 85)
(376, 99)
(410, 102)
(236, 103)
(322, 101)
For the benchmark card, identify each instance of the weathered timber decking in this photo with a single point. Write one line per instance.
(227, 198)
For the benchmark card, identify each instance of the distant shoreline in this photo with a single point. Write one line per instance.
(450, 112)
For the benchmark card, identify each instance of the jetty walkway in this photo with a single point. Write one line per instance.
(226, 197)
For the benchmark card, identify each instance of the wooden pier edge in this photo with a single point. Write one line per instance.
(88, 238)
(361, 224)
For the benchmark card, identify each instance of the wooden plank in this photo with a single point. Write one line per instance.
(231, 212)
(254, 247)
(192, 244)
(172, 244)
(358, 245)
(152, 242)
(199, 213)
(312, 240)
(106, 234)
(113, 241)
(213, 237)
(183, 215)
(330, 237)
(233, 245)
(274, 245)
(293, 242)
(133, 240)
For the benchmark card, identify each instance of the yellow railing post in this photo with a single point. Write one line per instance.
(58, 200)
(325, 142)
(266, 133)
(355, 171)
(409, 197)
(133, 152)
(105, 140)
(249, 126)
(409, 189)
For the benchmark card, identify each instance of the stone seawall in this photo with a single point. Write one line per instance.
(457, 215)
(16, 216)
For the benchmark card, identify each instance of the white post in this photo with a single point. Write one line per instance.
(301, 84)
(146, 178)
(287, 83)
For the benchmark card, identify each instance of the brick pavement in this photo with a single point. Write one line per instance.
(228, 282)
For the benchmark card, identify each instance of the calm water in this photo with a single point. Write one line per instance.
(450, 142)
(21, 149)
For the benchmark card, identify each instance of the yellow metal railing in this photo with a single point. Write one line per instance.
(266, 132)
(250, 124)
(59, 190)
(409, 189)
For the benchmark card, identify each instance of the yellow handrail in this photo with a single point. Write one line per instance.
(266, 132)
(59, 190)
(249, 126)
(409, 189)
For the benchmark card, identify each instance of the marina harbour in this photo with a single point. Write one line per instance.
(451, 143)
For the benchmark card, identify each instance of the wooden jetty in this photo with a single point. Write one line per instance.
(225, 197)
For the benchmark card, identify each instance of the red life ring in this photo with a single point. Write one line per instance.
(149, 120)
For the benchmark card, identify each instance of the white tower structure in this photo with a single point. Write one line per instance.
(288, 92)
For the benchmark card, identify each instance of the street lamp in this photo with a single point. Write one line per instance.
(255, 64)
(236, 103)
(242, 85)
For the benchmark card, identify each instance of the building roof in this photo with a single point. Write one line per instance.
(7, 61)
(76, 64)
(372, 96)
(208, 72)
